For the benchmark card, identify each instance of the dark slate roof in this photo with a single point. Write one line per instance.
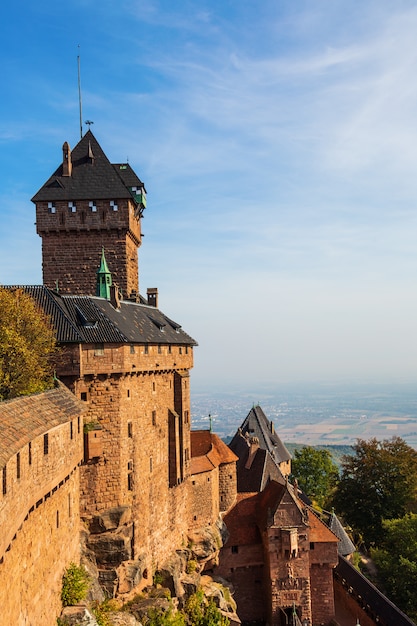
(345, 546)
(27, 417)
(373, 602)
(89, 319)
(263, 468)
(91, 178)
(256, 424)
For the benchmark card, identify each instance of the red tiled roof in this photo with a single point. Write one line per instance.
(319, 532)
(208, 451)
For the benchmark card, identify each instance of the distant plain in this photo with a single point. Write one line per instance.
(322, 414)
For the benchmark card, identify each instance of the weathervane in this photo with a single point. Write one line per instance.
(88, 122)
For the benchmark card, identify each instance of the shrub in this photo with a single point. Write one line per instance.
(75, 584)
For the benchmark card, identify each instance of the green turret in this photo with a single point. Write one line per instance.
(104, 279)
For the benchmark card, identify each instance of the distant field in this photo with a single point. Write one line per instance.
(317, 415)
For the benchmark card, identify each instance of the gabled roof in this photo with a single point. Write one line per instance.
(262, 469)
(90, 319)
(256, 424)
(22, 419)
(93, 177)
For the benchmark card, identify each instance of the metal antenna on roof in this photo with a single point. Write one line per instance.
(79, 94)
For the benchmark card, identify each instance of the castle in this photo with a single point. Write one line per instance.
(112, 444)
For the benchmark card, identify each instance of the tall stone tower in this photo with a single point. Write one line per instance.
(89, 205)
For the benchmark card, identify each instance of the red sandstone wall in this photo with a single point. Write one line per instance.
(72, 245)
(204, 509)
(227, 485)
(134, 406)
(39, 521)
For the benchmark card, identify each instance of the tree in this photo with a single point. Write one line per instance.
(316, 473)
(396, 560)
(26, 344)
(378, 482)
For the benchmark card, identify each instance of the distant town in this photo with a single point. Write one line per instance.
(316, 414)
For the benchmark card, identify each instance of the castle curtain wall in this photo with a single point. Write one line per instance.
(39, 516)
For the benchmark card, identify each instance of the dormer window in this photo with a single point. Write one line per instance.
(72, 207)
(93, 206)
(51, 207)
(113, 205)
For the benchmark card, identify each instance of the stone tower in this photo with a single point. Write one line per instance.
(89, 205)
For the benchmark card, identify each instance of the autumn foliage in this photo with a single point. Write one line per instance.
(27, 344)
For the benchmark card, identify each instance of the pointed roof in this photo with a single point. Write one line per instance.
(92, 177)
(256, 424)
(104, 279)
(345, 546)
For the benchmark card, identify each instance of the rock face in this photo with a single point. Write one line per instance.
(107, 555)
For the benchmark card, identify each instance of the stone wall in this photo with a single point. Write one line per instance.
(72, 244)
(227, 485)
(142, 405)
(39, 507)
(204, 509)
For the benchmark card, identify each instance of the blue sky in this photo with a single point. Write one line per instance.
(278, 145)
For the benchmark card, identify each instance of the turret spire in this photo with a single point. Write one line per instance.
(104, 279)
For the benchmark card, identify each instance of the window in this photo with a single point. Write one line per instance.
(128, 393)
(159, 349)
(83, 397)
(51, 207)
(186, 417)
(153, 387)
(99, 349)
(180, 350)
(130, 481)
(93, 206)
(153, 418)
(4, 480)
(150, 464)
(46, 444)
(169, 349)
(132, 349)
(30, 453)
(235, 549)
(130, 429)
(72, 207)
(78, 424)
(186, 349)
(71, 431)
(113, 205)
(311, 545)
(57, 519)
(18, 465)
(145, 349)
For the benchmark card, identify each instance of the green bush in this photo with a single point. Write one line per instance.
(75, 584)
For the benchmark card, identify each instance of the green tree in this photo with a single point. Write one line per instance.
(396, 560)
(202, 612)
(27, 343)
(75, 584)
(315, 472)
(379, 481)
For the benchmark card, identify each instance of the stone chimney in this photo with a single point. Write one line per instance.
(152, 293)
(253, 448)
(66, 160)
(115, 296)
